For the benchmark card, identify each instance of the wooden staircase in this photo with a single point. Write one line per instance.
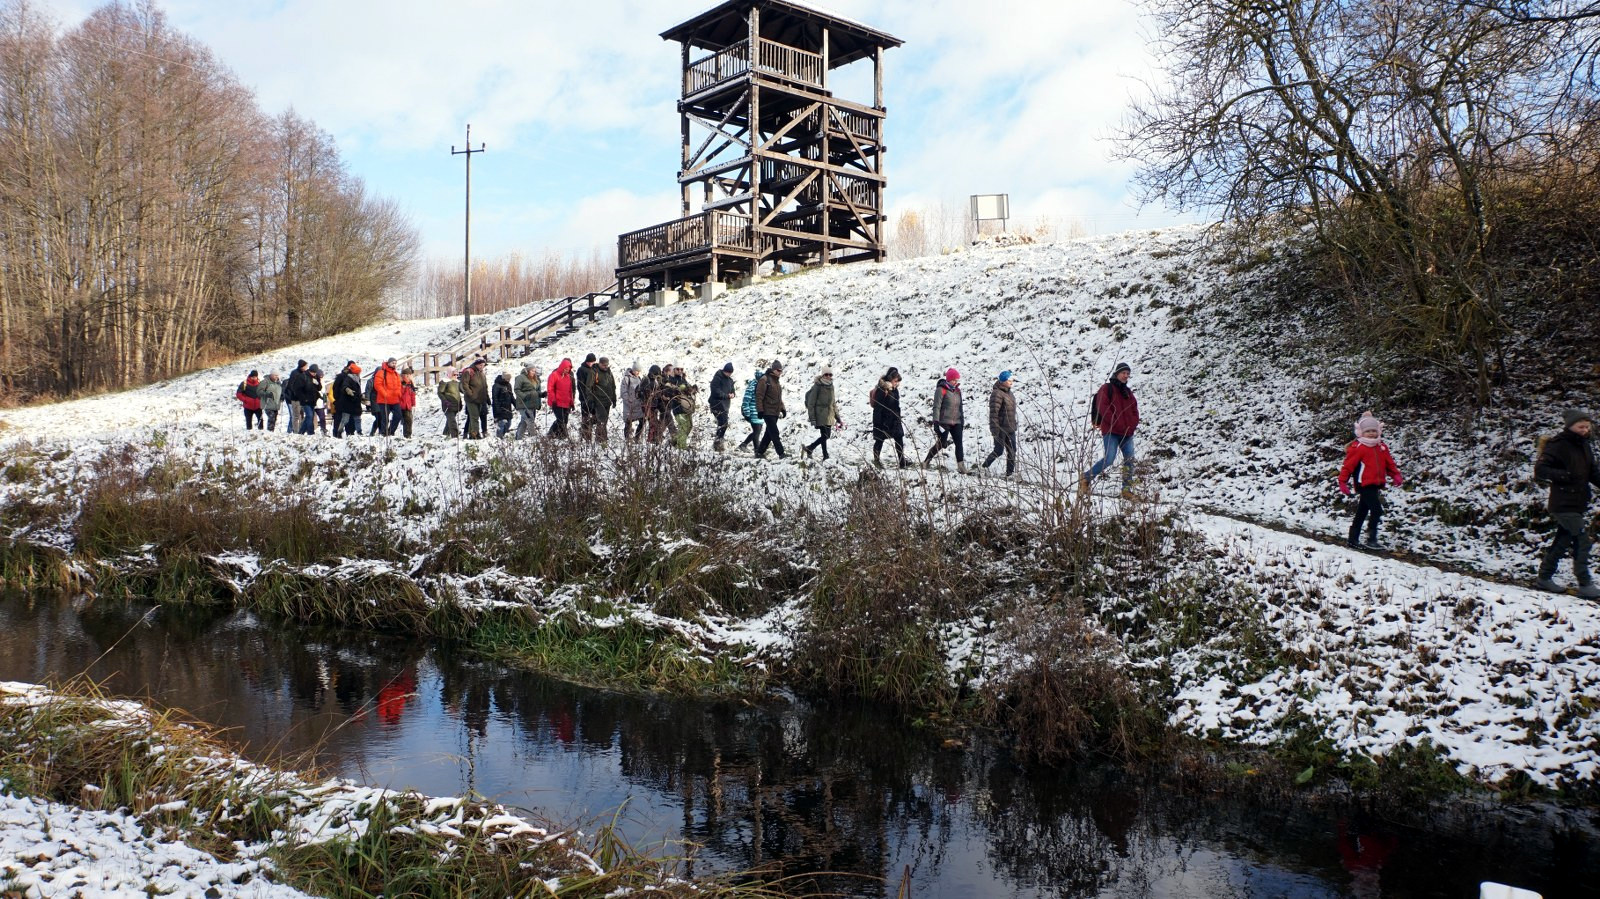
(539, 329)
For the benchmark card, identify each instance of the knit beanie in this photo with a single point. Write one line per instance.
(1121, 367)
(1571, 417)
(1005, 375)
(951, 374)
(1368, 422)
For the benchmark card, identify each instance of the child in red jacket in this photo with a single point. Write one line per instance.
(1369, 459)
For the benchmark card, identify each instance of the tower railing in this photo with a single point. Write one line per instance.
(772, 58)
(703, 231)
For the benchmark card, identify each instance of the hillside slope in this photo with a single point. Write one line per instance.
(1245, 413)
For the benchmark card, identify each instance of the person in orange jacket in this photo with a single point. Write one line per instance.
(386, 389)
(1369, 460)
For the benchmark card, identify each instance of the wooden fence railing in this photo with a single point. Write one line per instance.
(506, 341)
(702, 231)
(772, 58)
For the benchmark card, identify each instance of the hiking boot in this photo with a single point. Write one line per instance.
(1376, 544)
(1353, 543)
(1589, 591)
(961, 467)
(877, 463)
(1083, 485)
(1549, 585)
(806, 450)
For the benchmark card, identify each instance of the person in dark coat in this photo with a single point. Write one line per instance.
(949, 419)
(294, 395)
(769, 405)
(886, 423)
(318, 401)
(475, 396)
(1115, 411)
(719, 401)
(584, 381)
(602, 399)
(656, 396)
(1003, 423)
(347, 393)
(1368, 459)
(450, 402)
(1567, 462)
(505, 404)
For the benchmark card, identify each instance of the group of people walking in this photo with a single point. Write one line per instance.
(659, 404)
(389, 396)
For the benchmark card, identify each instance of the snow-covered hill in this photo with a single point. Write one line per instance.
(1245, 414)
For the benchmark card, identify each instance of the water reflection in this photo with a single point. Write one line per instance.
(800, 789)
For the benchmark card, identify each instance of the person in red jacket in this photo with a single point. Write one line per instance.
(248, 393)
(1369, 460)
(559, 388)
(1115, 412)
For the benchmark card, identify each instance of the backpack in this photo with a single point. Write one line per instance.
(1094, 408)
(872, 398)
(1538, 453)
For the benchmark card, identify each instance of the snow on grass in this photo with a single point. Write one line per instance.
(1244, 413)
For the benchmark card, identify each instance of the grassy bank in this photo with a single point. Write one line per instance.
(328, 838)
(1067, 623)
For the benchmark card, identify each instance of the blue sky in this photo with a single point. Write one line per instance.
(576, 104)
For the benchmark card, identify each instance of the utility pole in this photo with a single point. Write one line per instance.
(466, 288)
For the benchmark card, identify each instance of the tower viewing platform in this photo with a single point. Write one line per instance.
(775, 167)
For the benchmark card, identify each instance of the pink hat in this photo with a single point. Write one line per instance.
(952, 375)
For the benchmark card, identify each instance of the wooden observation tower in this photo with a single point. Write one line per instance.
(776, 168)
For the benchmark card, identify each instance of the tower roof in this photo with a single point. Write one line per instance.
(796, 23)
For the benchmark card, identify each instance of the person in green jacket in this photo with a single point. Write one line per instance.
(529, 398)
(449, 391)
(823, 411)
(475, 394)
(272, 399)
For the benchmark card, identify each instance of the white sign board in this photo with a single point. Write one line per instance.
(989, 207)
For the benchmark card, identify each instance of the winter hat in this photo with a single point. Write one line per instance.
(528, 366)
(1121, 367)
(1571, 417)
(254, 373)
(776, 365)
(951, 374)
(1005, 375)
(478, 361)
(315, 370)
(604, 360)
(1368, 422)
(728, 368)
(827, 371)
(389, 361)
(355, 369)
(635, 367)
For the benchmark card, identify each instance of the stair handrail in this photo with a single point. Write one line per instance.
(561, 311)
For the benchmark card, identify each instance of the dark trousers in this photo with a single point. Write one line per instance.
(322, 421)
(272, 419)
(821, 441)
(451, 429)
(770, 436)
(1005, 444)
(633, 430)
(1369, 509)
(558, 428)
(721, 415)
(1572, 536)
(754, 437)
(252, 415)
(945, 436)
(306, 424)
(899, 446)
(391, 418)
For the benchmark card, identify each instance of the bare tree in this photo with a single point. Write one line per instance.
(1384, 126)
